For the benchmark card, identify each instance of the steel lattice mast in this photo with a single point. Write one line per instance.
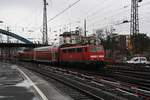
(134, 27)
(45, 36)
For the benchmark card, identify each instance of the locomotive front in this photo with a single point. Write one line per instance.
(96, 53)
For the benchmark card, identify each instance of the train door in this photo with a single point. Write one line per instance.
(34, 55)
(79, 54)
(54, 56)
(86, 54)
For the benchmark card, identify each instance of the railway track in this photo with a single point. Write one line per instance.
(132, 83)
(94, 86)
(140, 78)
(66, 90)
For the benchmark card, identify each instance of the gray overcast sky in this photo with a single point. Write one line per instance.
(23, 15)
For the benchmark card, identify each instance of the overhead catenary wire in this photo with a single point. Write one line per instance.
(88, 15)
(144, 20)
(96, 12)
(91, 14)
(124, 10)
(57, 15)
(88, 20)
(121, 9)
(104, 18)
(70, 6)
(128, 6)
(120, 12)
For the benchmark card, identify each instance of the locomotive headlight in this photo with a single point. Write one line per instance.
(101, 56)
(96, 56)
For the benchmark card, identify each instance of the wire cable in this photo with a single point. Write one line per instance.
(70, 6)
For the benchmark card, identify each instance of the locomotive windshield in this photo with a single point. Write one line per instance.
(96, 49)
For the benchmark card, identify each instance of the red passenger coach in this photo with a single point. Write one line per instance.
(27, 55)
(87, 54)
(46, 54)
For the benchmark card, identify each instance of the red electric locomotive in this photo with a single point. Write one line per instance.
(82, 54)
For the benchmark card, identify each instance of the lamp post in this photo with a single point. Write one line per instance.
(8, 38)
(1, 22)
(1, 39)
(1, 35)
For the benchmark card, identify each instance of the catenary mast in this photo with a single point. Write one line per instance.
(45, 36)
(134, 27)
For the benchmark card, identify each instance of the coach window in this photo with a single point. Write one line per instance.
(99, 48)
(79, 49)
(64, 51)
(85, 50)
(56, 55)
(74, 50)
(93, 49)
(71, 50)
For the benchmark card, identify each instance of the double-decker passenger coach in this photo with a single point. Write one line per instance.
(46, 54)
